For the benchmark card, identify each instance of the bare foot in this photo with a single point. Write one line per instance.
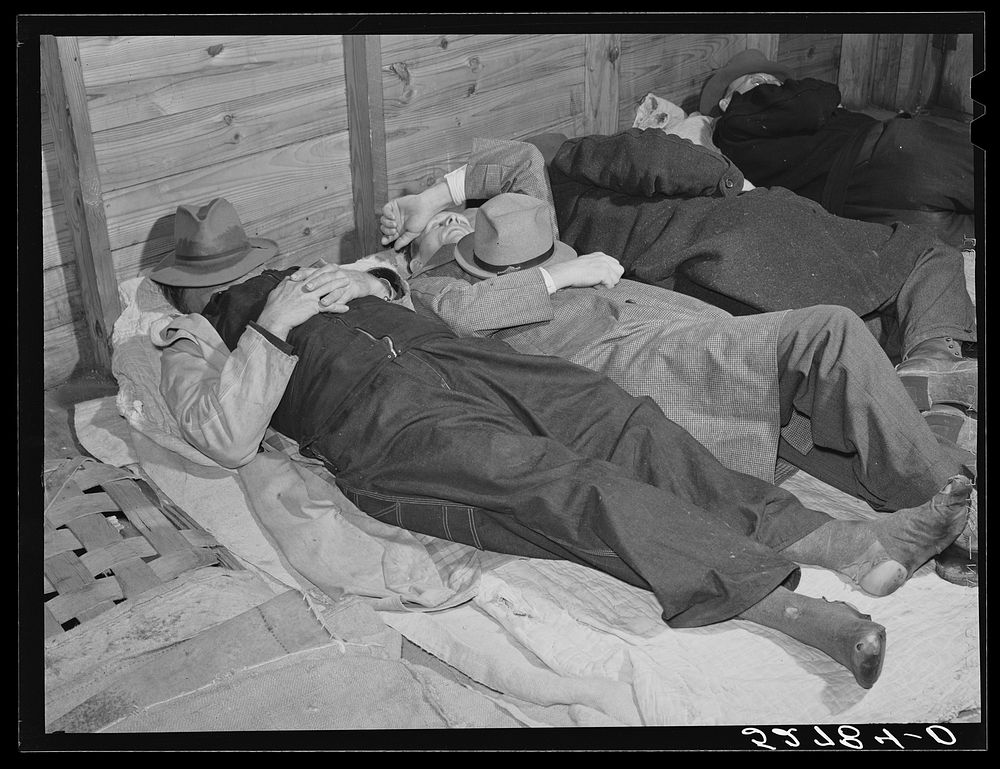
(834, 627)
(912, 537)
(881, 555)
(858, 644)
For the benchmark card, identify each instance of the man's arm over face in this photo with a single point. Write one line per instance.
(497, 166)
(648, 164)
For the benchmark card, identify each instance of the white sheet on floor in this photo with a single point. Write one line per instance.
(552, 632)
(587, 627)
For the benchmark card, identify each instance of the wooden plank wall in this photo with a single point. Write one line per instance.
(912, 72)
(261, 121)
(276, 124)
(441, 92)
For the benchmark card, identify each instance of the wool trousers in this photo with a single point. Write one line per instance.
(868, 438)
(920, 173)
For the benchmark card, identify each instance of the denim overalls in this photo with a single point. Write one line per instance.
(467, 440)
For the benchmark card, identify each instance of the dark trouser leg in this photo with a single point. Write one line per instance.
(869, 439)
(933, 300)
(570, 456)
(920, 173)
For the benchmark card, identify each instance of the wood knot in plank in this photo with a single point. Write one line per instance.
(474, 64)
(215, 50)
(614, 53)
(443, 43)
(401, 71)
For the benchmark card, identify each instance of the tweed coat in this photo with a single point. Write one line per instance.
(667, 208)
(712, 373)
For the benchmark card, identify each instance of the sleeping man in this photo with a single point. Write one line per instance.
(792, 132)
(681, 216)
(810, 385)
(467, 439)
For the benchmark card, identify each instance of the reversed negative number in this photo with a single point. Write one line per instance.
(847, 736)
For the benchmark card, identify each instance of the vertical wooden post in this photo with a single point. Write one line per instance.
(955, 92)
(767, 44)
(909, 90)
(366, 123)
(885, 71)
(857, 59)
(80, 183)
(602, 53)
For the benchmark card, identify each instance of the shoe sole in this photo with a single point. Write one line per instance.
(956, 565)
(927, 388)
(954, 427)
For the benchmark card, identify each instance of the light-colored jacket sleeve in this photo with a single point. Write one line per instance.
(222, 401)
(487, 306)
(500, 165)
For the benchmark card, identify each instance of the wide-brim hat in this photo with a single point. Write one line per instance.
(513, 233)
(743, 63)
(210, 247)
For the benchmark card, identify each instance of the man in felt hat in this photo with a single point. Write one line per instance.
(212, 252)
(809, 386)
(682, 216)
(795, 133)
(466, 439)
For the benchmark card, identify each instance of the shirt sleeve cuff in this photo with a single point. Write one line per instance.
(550, 284)
(456, 185)
(281, 344)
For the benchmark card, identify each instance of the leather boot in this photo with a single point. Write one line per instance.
(954, 425)
(959, 562)
(934, 371)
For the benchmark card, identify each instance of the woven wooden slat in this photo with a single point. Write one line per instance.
(97, 593)
(93, 531)
(93, 474)
(51, 625)
(76, 503)
(172, 564)
(111, 535)
(108, 558)
(149, 520)
(59, 541)
(65, 572)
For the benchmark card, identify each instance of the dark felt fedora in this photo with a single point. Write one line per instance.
(210, 247)
(513, 232)
(743, 63)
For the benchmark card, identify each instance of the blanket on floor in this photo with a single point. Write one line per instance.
(547, 631)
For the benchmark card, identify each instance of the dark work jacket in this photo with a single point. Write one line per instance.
(669, 209)
(338, 353)
(791, 135)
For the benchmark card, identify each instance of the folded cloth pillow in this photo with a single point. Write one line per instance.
(656, 112)
(135, 363)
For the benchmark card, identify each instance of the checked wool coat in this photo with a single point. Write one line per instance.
(712, 373)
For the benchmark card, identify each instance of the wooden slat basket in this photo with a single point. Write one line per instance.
(110, 535)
